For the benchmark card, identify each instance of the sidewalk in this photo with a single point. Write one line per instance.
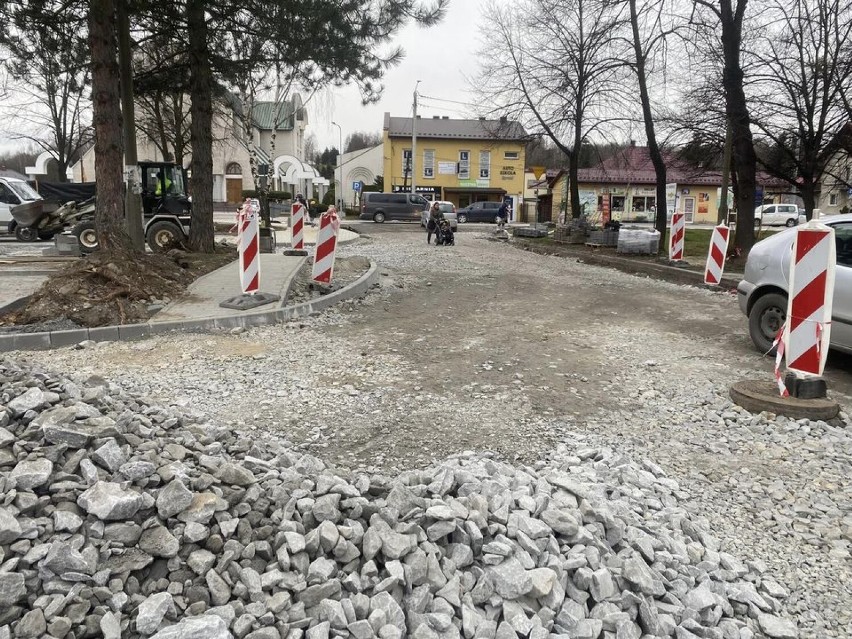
(203, 296)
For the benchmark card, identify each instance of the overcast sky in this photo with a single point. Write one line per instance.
(440, 56)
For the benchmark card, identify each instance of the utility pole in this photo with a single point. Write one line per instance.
(132, 199)
(726, 175)
(414, 142)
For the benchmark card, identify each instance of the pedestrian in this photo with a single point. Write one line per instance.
(435, 216)
(503, 214)
(306, 211)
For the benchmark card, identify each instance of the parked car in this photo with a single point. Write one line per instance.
(762, 293)
(449, 211)
(779, 215)
(406, 207)
(14, 192)
(479, 212)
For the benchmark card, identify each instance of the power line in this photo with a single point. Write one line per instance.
(467, 104)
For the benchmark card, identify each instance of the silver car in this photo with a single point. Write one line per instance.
(449, 211)
(762, 293)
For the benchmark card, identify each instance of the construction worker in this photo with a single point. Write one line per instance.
(160, 180)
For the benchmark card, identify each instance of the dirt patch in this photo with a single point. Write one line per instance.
(346, 271)
(109, 288)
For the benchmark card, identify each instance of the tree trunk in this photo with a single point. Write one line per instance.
(106, 118)
(736, 107)
(650, 133)
(574, 165)
(201, 130)
(807, 190)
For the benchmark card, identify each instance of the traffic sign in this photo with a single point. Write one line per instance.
(356, 186)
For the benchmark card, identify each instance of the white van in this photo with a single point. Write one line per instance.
(12, 193)
(779, 215)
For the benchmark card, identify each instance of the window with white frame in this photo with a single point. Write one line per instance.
(511, 155)
(832, 199)
(485, 165)
(464, 165)
(406, 161)
(429, 163)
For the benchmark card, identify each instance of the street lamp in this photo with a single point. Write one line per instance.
(340, 166)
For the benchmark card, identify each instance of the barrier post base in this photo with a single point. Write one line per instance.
(805, 387)
(247, 301)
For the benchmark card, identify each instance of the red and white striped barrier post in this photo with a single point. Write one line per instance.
(808, 329)
(249, 246)
(716, 255)
(676, 236)
(297, 219)
(326, 246)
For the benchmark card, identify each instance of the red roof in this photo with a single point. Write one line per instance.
(633, 165)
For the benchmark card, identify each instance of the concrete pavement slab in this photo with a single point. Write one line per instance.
(204, 295)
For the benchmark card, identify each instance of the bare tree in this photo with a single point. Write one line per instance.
(48, 62)
(729, 17)
(311, 147)
(800, 86)
(649, 32)
(555, 65)
(362, 140)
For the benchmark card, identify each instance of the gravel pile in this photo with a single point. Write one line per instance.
(124, 519)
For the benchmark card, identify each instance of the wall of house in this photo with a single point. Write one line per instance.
(358, 166)
(505, 173)
(227, 150)
(835, 196)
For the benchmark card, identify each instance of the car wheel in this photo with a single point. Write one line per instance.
(379, 218)
(46, 236)
(791, 223)
(87, 236)
(766, 318)
(462, 219)
(26, 233)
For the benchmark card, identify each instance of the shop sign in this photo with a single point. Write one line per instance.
(446, 168)
(507, 172)
(423, 190)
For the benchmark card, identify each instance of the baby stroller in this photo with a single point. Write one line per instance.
(444, 235)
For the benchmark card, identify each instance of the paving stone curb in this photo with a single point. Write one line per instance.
(651, 269)
(56, 339)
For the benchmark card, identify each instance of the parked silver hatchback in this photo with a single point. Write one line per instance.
(763, 291)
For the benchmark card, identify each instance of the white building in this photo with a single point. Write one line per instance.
(362, 166)
(232, 151)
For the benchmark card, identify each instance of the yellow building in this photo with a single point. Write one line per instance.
(460, 161)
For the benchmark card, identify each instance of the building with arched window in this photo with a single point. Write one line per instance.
(274, 135)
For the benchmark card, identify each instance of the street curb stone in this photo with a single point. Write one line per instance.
(673, 274)
(55, 339)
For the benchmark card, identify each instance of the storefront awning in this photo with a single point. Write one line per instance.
(463, 189)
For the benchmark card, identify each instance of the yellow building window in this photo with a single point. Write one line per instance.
(485, 165)
(429, 163)
(464, 165)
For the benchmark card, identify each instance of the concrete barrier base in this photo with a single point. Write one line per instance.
(758, 396)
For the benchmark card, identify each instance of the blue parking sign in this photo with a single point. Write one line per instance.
(356, 186)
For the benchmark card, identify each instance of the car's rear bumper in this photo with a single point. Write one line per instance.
(744, 291)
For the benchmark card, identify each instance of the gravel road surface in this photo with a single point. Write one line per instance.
(485, 347)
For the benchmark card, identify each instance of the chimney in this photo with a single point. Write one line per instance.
(503, 119)
(482, 118)
(418, 117)
(436, 117)
(446, 117)
(632, 142)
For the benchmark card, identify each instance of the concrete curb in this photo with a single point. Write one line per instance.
(633, 267)
(55, 339)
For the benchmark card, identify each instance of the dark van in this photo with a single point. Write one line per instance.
(379, 207)
(480, 212)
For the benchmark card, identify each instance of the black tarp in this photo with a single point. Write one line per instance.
(66, 192)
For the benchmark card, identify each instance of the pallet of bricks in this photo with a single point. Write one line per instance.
(638, 242)
(578, 231)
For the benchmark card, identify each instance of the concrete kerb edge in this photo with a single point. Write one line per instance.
(286, 294)
(45, 340)
(659, 271)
